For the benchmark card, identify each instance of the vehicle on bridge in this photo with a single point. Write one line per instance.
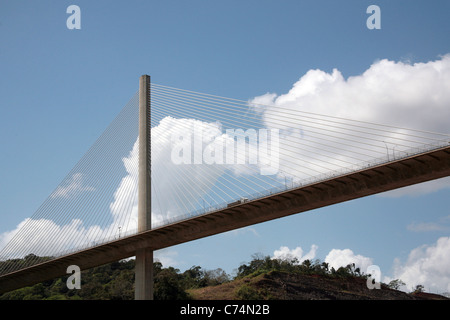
(241, 200)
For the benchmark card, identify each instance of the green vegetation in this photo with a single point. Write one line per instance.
(261, 264)
(246, 292)
(115, 281)
(396, 284)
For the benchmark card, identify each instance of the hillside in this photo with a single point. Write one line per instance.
(276, 285)
(262, 278)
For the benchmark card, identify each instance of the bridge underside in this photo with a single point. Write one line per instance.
(395, 174)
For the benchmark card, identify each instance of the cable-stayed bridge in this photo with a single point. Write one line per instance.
(217, 164)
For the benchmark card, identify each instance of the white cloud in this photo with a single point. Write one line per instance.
(284, 253)
(401, 94)
(427, 265)
(72, 188)
(337, 258)
(409, 95)
(167, 257)
(426, 226)
(242, 231)
(125, 194)
(45, 237)
(172, 191)
(442, 224)
(170, 194)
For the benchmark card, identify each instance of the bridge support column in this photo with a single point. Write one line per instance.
(144, 257)
(144, 275)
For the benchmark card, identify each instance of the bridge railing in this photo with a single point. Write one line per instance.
(398, 155)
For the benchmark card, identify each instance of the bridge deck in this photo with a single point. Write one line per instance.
(395, 174)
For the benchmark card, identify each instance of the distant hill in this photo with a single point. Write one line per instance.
(278, 285)
(262, 278)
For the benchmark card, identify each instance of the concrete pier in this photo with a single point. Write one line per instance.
(144, 256)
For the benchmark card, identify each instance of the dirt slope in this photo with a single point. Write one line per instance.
(284, 286)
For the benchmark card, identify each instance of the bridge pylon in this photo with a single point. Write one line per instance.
(144, 257)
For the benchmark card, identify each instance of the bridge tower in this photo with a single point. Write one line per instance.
(144, 257)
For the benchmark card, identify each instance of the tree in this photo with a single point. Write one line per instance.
(216, 277)
(194, 278)
(419, 288)
(168, 285)
(396, 284)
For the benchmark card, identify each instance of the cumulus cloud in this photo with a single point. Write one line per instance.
(71, 188)
(284, 253)
(170, 191)
(173, 181)
(125, 196)
(399, 94)
(427, 265)
(337, 258)
(174, 171)
(409, 95)
(45, 237)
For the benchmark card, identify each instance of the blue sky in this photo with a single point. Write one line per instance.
(60, 88)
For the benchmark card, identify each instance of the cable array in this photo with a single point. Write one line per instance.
(92, 203)
(207, 152)
(311, 146)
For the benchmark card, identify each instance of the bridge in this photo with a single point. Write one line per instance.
(321, 161)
